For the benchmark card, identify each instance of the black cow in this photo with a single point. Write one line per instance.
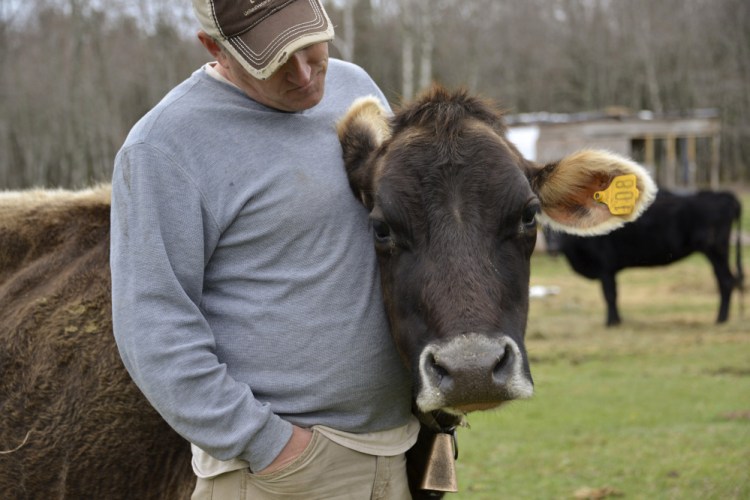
(673, 227)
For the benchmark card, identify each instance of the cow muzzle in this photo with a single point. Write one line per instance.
(472, 372)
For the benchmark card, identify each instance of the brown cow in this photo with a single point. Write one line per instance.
(453, 207)
(73, 424)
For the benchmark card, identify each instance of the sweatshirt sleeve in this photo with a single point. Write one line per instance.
(162, 235)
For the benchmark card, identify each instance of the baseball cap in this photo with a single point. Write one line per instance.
(262, 34)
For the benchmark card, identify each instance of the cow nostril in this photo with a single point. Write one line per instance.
(442, 375)
(504, 363)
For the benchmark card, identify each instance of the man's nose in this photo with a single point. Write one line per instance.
(300, 70)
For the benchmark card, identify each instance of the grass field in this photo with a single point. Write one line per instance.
(657, 408)
(745, 199)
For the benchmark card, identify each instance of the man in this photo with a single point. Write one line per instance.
(246, 300)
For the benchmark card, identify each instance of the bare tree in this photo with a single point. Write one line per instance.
(77, 76)
(416, 20)
(346, 37)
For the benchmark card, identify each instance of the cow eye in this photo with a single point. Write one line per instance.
(382, 230)
(528, 218)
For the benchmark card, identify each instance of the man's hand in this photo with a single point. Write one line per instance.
(294, 448)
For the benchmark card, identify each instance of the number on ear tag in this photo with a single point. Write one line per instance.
(620, 196)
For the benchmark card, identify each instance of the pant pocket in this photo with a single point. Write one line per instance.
(295, 465)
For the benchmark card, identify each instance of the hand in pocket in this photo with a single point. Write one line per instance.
(293, 449)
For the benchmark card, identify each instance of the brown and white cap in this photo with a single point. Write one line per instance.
(262, 34)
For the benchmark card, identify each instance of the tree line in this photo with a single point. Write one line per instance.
(77, 74)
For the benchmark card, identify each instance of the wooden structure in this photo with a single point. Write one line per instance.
(680, 151)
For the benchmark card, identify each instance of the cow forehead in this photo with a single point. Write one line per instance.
(476, 165)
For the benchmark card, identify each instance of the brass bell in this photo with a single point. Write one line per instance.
(440, 473)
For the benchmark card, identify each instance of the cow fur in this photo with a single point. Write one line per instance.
(73, 423)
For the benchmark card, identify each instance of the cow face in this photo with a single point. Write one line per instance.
(454, 210)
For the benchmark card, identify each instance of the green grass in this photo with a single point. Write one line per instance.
(658, 408)
(744, 197)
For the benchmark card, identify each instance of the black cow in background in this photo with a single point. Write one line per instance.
(673, 227)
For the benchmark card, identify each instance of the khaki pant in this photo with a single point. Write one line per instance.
(325, 470)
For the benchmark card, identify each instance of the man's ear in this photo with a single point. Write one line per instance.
(361, 132)
(592, 192)
(217, 51)
(209, 43)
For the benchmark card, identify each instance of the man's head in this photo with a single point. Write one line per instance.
(274, 50)
(262, 34)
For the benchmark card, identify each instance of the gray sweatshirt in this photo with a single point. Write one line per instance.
(245, 291)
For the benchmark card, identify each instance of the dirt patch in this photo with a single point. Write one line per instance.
(736, 415)
(732, 371)
(587, 493)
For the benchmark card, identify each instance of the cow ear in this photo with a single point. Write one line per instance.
(582, 193)
(361, 132)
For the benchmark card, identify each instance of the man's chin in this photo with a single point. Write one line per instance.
(306, 97)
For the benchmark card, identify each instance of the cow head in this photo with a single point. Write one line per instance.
(454, 210)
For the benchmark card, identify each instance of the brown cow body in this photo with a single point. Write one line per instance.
(73, 423)
(453, 207)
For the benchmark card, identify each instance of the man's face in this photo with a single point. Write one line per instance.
(295, 86)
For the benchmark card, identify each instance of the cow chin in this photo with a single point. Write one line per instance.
(471, 372)
(476, 407)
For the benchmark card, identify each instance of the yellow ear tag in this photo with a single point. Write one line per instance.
(620, 196)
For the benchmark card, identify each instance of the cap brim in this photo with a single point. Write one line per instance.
(267, 46)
